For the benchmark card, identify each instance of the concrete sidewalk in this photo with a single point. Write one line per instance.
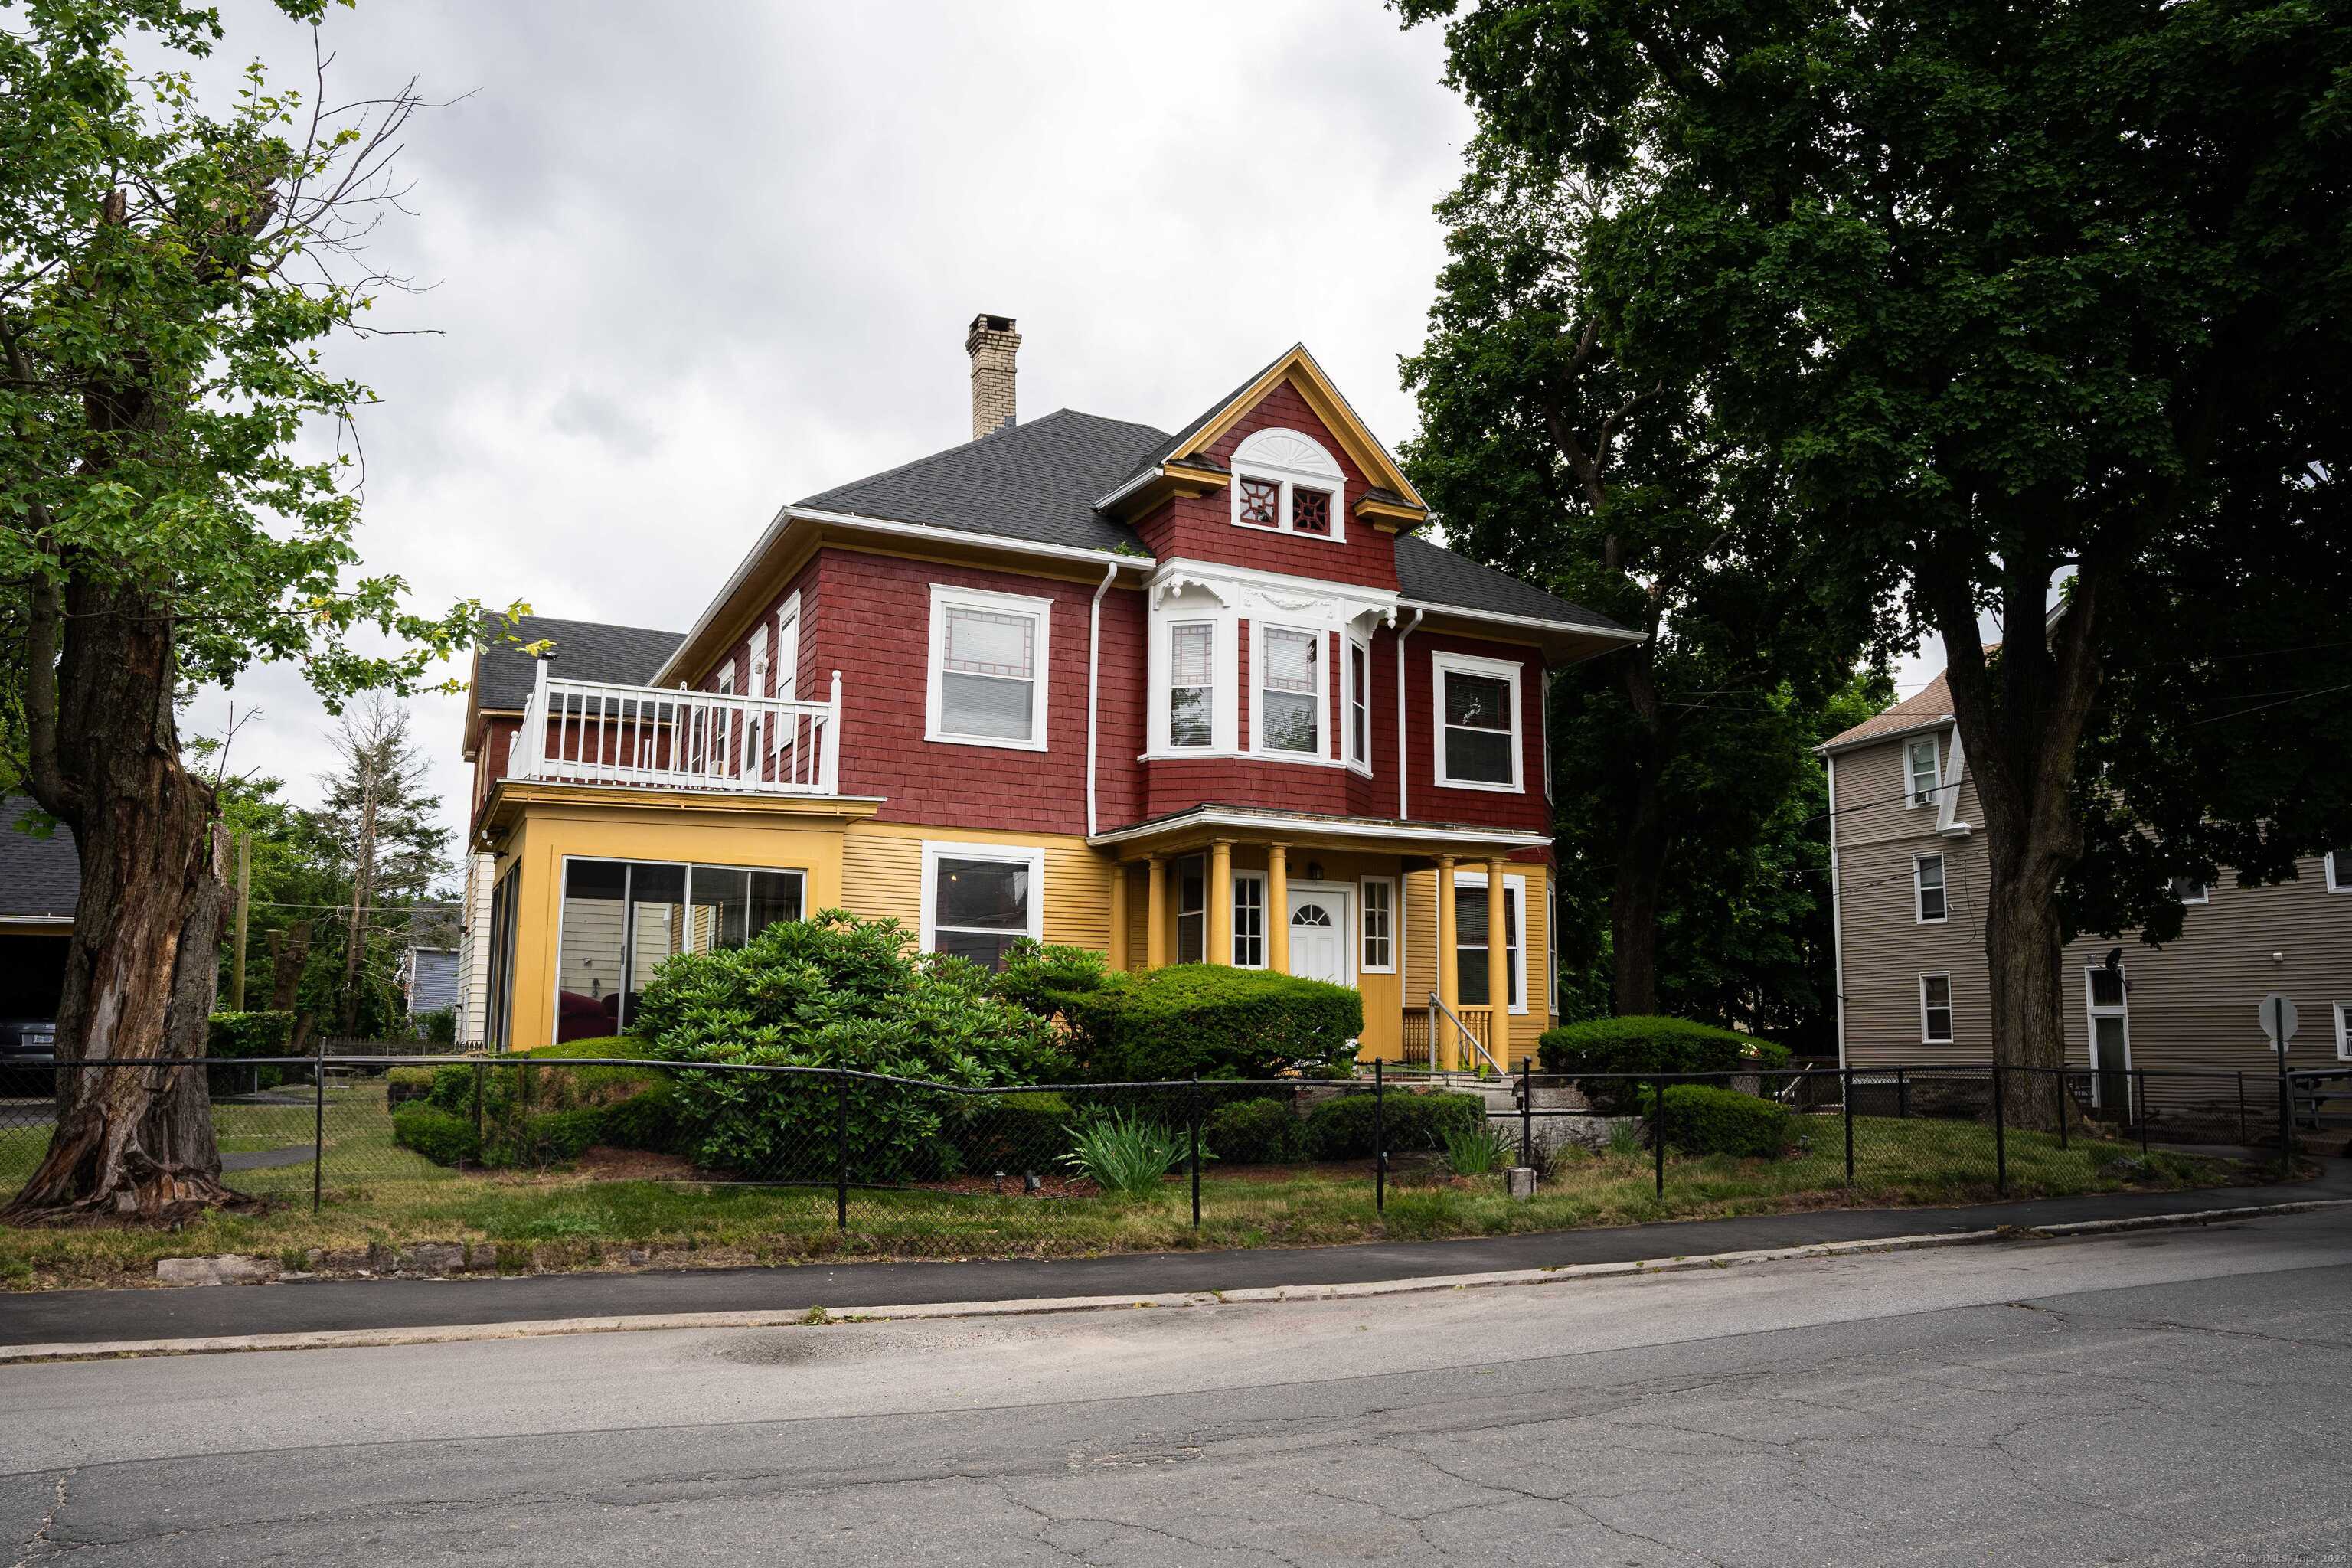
(89, 1317)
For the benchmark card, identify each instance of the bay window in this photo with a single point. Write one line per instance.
(1288, 707)
(1359, 703)
(1192, 683)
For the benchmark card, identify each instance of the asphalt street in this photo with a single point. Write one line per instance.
(2175, 1396)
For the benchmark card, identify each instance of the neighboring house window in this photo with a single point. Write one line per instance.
(621, 918)
(1926, 773)
(988, 651)
(2344, 1031)
(981, 899)
(1287, 710)
(1379, 956)
(1286, 482)
(1191, 682)
(1477, 722)
(1192, 909)
(1359, 704)
(1935, 1009)
(1473, 932)
(1927, 878)
(2191, 890)
(2339, 871)
(1249, 921)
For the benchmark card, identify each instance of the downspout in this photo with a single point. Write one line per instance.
(1404, 769)
(1094, 682)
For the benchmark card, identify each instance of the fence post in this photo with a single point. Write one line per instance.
(1658, 1135)
(1381, 1138)
(2241, 1108)
(1845, 1088)
(1196, 1150)
(2286, 1118)
(1902, 1095)
(2141, 1074)
(1999, 1130)
(318, 1125)
(1526, 1111)
(841, 1151)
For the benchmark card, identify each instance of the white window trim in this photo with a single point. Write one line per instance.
(1321, 638)
(788, 647)
(946, 595)
(1221, 684)
(1951, 1007)
(2204, 894)
(1350, 646)
(2343, 1011)
(563, 878)
(1444, 664)
(1916, 798)
(2338, 878)
(1264, 933)
(1515, 891)
(1919, 891)
(1396, 923)
(2092, 1011)
(937, 849)
(1271, 455)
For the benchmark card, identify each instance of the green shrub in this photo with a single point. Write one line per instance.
(1261, 1132)
(242, 1036)
(436, 1028)
(836, 991)
(1214, 1022)
(1342, 1128)
(1601, 1046)
(401, 1085)
(550, 1138)
(647, 1120)
(1702, 1120)
(1013, 1132)
(1126, 1154)
(1044, 981)
(443, 1139)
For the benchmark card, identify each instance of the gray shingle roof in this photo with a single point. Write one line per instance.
(37, 876)
(1434, 574)
(1167, 448)
(1036, 481)
(585, 650)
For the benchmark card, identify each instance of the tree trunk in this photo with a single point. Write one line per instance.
(290, 951)
(140, 968)
(1635, 899)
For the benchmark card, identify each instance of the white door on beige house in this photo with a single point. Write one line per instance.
(1318, 933)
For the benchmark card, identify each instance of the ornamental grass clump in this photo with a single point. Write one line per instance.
(1478, 1150)
(1125, 1155)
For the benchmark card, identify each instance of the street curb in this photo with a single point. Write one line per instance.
(548, 1328)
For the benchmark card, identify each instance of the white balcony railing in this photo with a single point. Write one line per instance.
(589, 731)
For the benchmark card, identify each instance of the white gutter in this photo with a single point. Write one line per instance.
(887, 527)
(1404, 758)
(1831, 748)
(1500, 618)
(1094, 670)
(1323, 827)
(1837, 927)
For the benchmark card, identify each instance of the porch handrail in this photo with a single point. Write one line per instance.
(594, 731)
(1437, 1006)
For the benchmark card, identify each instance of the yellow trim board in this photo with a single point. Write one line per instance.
(1299, 368)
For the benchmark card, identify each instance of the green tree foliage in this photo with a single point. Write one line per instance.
(167, 273)
(2016, 296)
(1561, 444)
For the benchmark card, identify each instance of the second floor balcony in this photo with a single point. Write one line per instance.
(595, 732)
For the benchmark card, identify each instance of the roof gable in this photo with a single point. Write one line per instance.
(1297, 367)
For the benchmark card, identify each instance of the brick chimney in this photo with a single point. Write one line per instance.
(992, 342)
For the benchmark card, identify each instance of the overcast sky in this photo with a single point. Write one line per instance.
(688, 263)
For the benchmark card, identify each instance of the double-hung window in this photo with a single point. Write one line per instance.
(1379, 956)
(2191, 890)
(1192, 683)
(1920, 760)
(1289, 709)
(1477, 722)
(1935, 1009)
(1192, 910)
(1473, 935)
(2339, 871)
(1359, 703)
(988, 660)
(981, 899)
(1928, 883)
(1249, 920)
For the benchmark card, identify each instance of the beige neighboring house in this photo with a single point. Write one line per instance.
(1908, 864)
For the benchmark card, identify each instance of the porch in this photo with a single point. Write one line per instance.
(595, 732)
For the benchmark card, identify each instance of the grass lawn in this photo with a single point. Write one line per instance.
(379, 1195)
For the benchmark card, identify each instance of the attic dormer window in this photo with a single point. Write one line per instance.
(1286, 482)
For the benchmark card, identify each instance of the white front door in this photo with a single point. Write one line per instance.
(1318, 934)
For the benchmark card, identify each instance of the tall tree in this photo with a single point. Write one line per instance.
(165, 274)
(1562, 444)
(384, 831)
(2020, 295)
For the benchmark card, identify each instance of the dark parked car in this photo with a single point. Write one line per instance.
(21, 1037)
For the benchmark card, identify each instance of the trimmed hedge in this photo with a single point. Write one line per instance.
(1701, 1120)
(1342, 1128)
(555, 1138)
(540, 1116)
(242, 1036)
(401, 1085)
(1262, 1131)
(1215, 1022)
(1601, 1046)
(443, 1139)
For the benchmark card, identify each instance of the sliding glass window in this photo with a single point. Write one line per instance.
(621, 919)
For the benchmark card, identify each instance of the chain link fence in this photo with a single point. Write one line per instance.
(891, 1166)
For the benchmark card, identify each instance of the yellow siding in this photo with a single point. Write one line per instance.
(882, 875)
(1421, 947)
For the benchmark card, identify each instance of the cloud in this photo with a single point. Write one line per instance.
(688, 263)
